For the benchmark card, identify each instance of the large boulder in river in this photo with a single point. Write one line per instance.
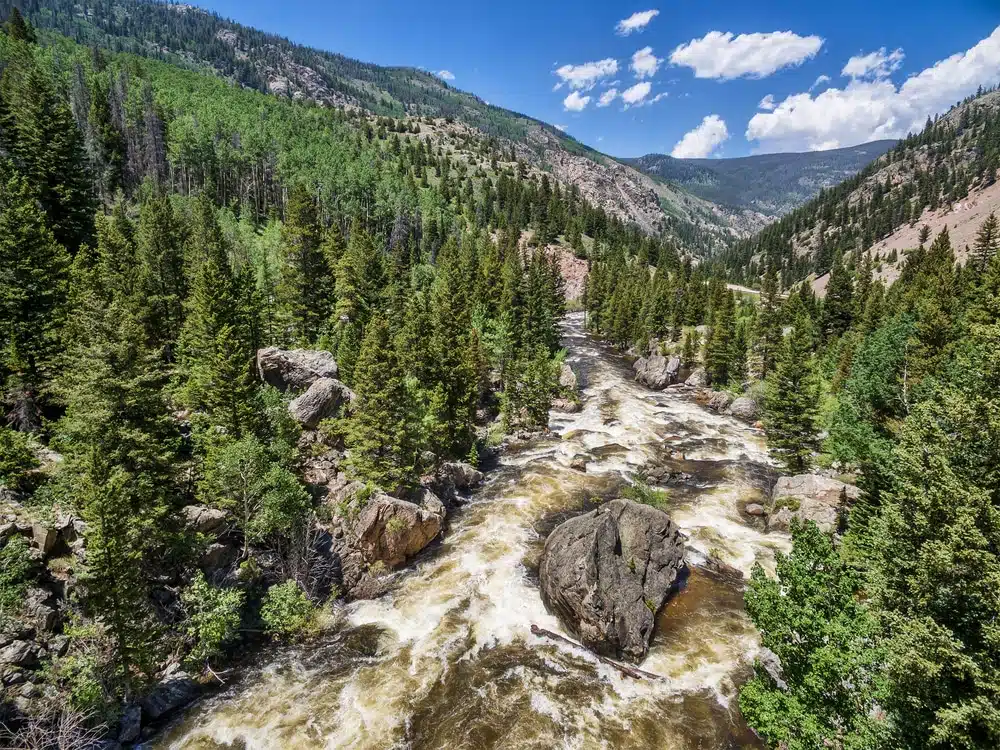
(322, 400)
(809, 497)
(295, 369)
(656, 371)
(606, 574)
(464, 476)
(391, 530)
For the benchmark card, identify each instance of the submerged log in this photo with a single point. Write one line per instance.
(626, 669)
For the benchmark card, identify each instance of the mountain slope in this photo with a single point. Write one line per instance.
(931, 174)
(772, 184)
(194, 38)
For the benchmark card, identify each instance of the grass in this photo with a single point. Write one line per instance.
(641, 492)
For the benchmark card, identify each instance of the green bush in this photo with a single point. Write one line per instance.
(287, 611)
(213, 617)
(16, 458)
(641, 492)
(15, 571)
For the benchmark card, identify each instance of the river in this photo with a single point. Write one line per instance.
(447, 659)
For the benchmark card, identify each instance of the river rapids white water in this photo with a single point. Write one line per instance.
(447, 659)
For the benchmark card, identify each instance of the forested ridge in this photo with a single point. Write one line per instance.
(954, 154)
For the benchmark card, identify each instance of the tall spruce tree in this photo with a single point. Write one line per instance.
(307, 281)
(381, 447)
(33, 287)
(792, 400)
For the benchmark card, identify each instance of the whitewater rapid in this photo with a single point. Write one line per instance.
(447, 658)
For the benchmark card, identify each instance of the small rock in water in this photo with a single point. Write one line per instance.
(579, 463)
(755, 509)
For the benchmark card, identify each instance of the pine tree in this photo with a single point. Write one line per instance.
(161, 285)
(214, 348)
(17, 27)
(769, 322)
(987, 241)
(33, 286)
(38, 132)
(119, 443)
(792, 401)
(380, 444)
(719, 344)
(307, 281)
(838, 307)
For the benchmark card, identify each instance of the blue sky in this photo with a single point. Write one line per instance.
(703, 87)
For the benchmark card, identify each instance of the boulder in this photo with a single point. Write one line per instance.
(745, 408)
(20, 654)
(579, 462)
(606, 574)
(296, 369)
(698, 378)
(755, 509)
(40, 608)
(175, 690)
(720, 400)
(566, 406)
(322, 400)
(464, 476)
(391, 530)
(203, 520)
(809, 497)
(217, 556)
(130, 724)
(567, 378)
(44, 537)
(657, 371)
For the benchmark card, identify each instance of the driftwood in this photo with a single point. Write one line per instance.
(625, 669)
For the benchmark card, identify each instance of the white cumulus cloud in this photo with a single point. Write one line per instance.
(585, 76)
(635, 94)
(561, 128)
(703, 140)
(767, 103)
(866, 110)
(820, 80)
(575, 103)
(724, 56)
(607, 97)
(876, 65)
(446, 75)
(645, 63)
(636, 22)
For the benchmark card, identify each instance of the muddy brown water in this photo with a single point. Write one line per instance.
(447, 658)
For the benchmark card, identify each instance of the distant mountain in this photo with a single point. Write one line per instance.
(188, 36)
(772, 184)
(942, 177)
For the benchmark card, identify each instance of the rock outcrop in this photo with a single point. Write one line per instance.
(203, 520)
(698, 378)
(174, 690)
(322, 400)
(391, 531)
(656, 371)
(295, 369)
(745, 408)
(809, 497)
(719, 400)
(606, 574)
(567, 378)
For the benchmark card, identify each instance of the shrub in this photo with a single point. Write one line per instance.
(15, 571)
(213, 617)
(287, 611)
(16, 458)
